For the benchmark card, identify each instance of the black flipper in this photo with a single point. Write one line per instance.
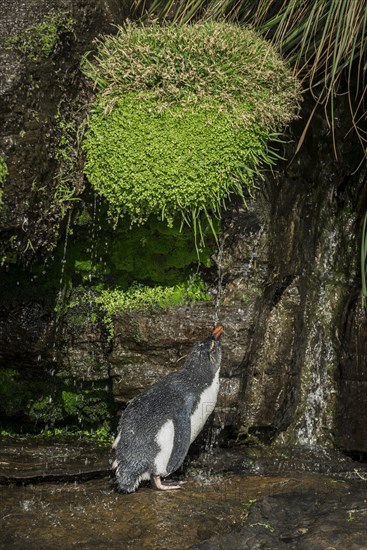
(182, 425)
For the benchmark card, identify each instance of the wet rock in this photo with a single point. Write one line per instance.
(352, 380)
(300, 520)
(25, 333)
(26, 460)
(219, 506)
(81, 342)
(272, 460)
(307, 255)
(269, 365)
(294, 349)
(38, 89)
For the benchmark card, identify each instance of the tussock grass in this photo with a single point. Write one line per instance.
(194, 64)
(325, 41)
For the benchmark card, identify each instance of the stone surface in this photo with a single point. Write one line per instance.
(218, 507)
(351, 429)
(33, 93)
(300, 520)
(23, 460)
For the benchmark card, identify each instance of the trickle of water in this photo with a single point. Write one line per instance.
(95, 231)
(320, 356)
(219, 261)
(251, 262)
(211, 439)
(60, 294)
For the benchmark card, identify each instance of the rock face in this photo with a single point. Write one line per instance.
(351, 430)
(285, 284)
(298, 519)
(38, 88)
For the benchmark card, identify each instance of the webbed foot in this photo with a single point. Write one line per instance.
(168, 486)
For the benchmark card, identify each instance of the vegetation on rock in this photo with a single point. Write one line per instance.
(324, 41)
(40, 40)
(183, 117)
(141, 297)
(3, 170)
(51, 402)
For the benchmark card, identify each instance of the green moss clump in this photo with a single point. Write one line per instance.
(40, 41)
(142, 297)
(146, 160)
(183, 117)
(188, 64)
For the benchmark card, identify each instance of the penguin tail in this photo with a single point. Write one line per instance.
(127, 480)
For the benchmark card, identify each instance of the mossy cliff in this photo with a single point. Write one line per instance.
(285, 276)
(181, 120)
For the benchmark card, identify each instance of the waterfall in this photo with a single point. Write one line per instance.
(320, 358)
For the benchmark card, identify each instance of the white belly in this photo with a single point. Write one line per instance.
(204, 408)
(164, 439)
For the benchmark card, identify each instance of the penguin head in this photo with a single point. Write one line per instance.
(206, 354)
(215, 347)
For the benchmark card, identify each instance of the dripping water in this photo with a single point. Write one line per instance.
(218, 294)
(211, 439)
(61, 292)
(96, 228)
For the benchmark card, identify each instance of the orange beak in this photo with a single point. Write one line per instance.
(217, 332)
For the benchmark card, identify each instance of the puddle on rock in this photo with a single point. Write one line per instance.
(92, 515)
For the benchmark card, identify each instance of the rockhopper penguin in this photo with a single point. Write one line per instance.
(157, 427)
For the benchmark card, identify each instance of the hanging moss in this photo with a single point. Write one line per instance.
(168, 162)
(183, 118)
(142, 297)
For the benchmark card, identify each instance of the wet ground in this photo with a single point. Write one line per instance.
(215, 509)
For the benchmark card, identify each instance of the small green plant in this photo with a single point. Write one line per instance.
(246, 508)
(265, 525)
(85, 407)
(46, 409)
(40, 40)
(3, 170)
